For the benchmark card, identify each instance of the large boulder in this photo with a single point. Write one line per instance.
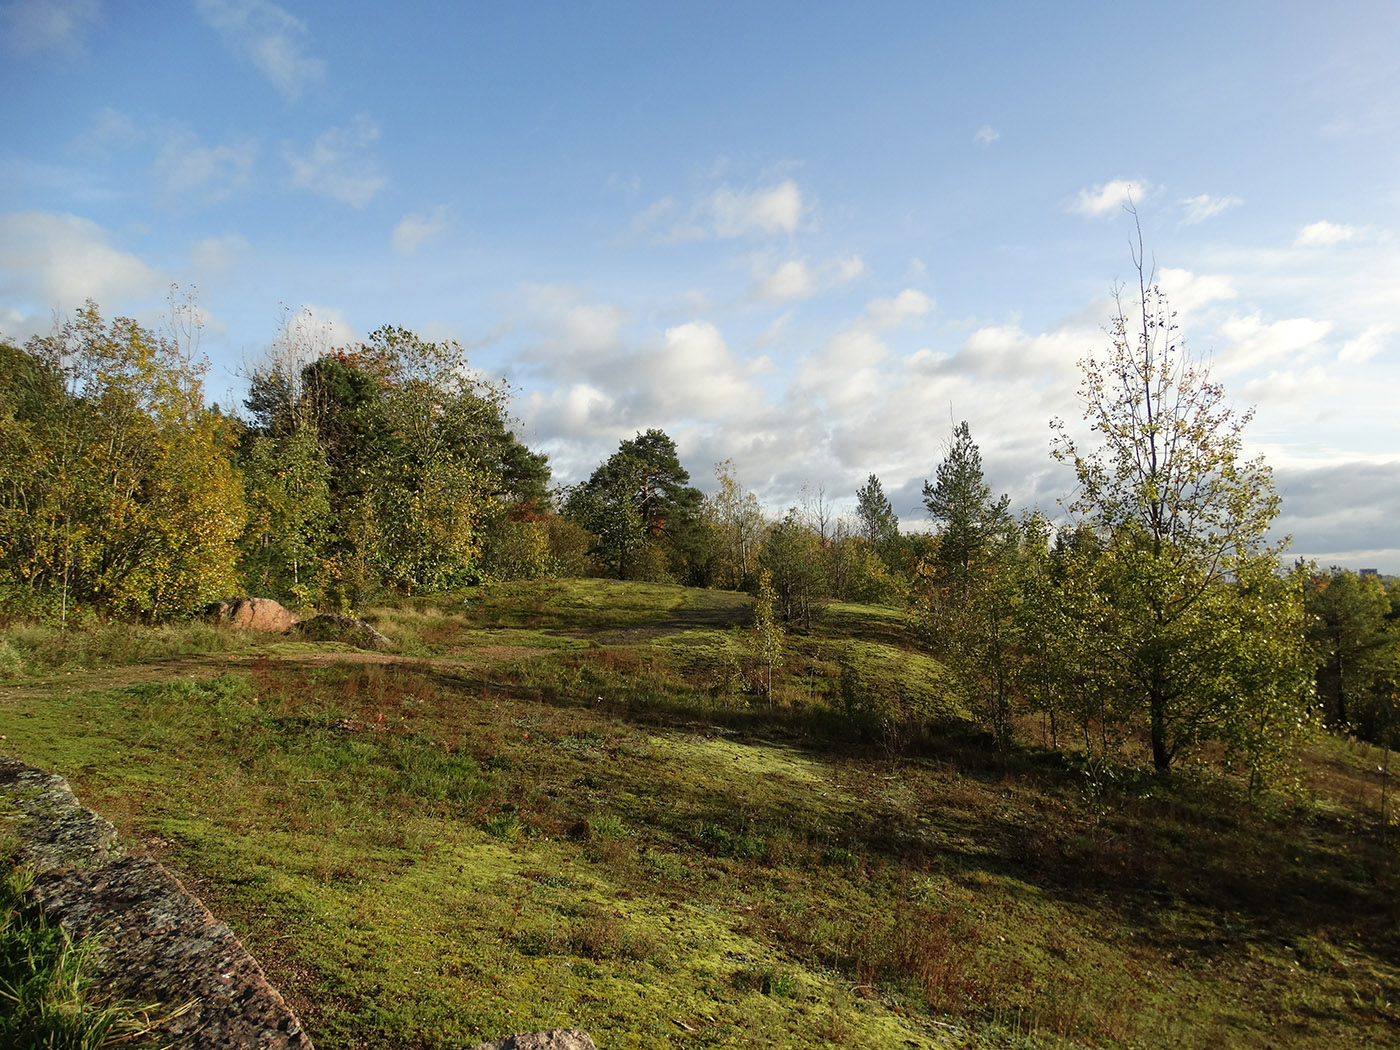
(555, 1039)
(252, 614)
(332, 627)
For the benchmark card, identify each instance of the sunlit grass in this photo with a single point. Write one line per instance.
(600, 828)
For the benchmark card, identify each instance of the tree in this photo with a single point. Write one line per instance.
(1356, 646)
(413, 451)
(965, 605)
(736, 521)
(120, 494)
(973, 522)
(767, 641)
(794, 555)
(1167, 487)
(641, 498)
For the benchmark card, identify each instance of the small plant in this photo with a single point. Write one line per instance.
(48, 995)
(766, 979)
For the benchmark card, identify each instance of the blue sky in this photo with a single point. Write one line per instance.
(809, 237)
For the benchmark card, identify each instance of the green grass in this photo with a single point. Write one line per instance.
(574, 816)
(49, 996)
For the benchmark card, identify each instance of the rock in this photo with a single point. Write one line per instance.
(555, 1039)
(252, 614)
(156, 943)
(332, 627)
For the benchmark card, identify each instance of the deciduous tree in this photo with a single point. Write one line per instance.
(1165, 482)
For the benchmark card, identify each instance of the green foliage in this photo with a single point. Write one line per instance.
(643, 512)
(794, 555)
(736, 524)
(1186, 517)
(1356, 640)
(767, 633)
(383, 467)
(117, 491)
(966, 598)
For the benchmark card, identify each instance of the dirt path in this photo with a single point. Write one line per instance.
(211, 666)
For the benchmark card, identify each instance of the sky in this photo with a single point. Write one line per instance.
(807, 237)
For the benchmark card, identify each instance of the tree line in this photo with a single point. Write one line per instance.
(390, 467)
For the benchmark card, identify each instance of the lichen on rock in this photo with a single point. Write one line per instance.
(157, 943)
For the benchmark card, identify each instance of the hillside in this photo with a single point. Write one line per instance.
(563, 803)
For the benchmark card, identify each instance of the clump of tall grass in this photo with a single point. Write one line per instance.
(43, 649)
(48, 995)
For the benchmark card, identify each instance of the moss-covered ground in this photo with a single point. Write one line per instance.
(564, 804)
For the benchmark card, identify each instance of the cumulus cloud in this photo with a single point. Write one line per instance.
(902, 308)
(416, 228)
(1188, 292)
(338, 164)
(32, 26)
(791, 280)
(986, 135)
(1204, 206)
(1324, 235)
(1366, 345)
(54, 261)
(728, 213)
(1252, 342)
(328, 326)
(739, 213)
(1109, 198)
(269, 37)
(693, 373)
(796, 279)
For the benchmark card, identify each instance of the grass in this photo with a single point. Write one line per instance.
(49, 996)
(565, 810)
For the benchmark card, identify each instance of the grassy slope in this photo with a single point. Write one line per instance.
(562, 811)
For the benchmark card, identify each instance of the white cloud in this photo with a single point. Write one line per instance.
(269, 37)
(848, 269)
(986, 135)
(1204, 206)
(32, 26)
(904, 307)
(1252, 342)
(741, 213)
(1187, 292)
(1324, 235)
(694, 374)
(795, 279)
(338, 164)
(329, 326)
(55, 261)
(792, 280)
(1365, 346)
(728, 213)
(186, 165)
(416, 228)
(1108, 198)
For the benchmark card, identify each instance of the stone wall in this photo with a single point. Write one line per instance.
(157, 943)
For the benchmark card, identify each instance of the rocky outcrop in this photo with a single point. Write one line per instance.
(252, 614)
(555, 1039)
(332, 627)
(157, 943)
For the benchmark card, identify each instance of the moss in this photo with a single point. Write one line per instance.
(566, 822)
